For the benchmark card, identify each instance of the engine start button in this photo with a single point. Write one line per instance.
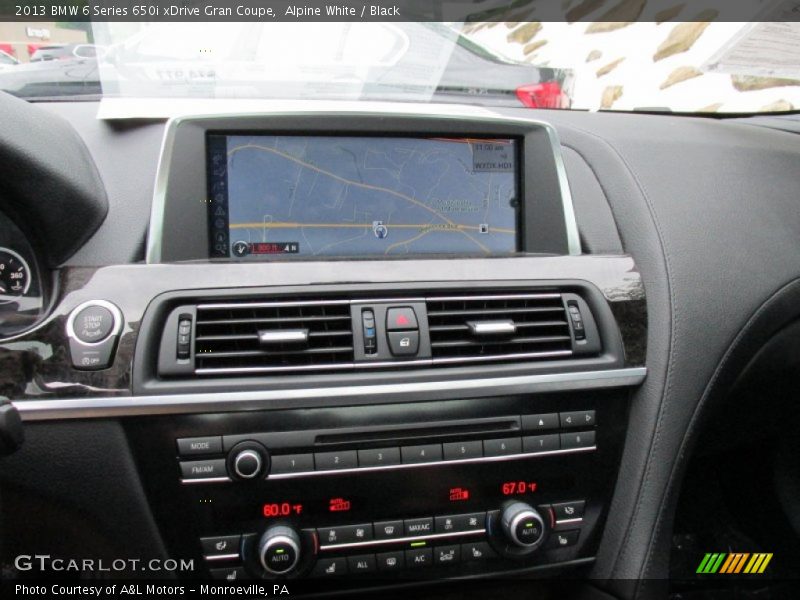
(93, 324)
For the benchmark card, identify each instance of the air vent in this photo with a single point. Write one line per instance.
(273, 336)
(498, 327)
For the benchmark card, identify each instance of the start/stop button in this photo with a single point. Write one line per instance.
(93, 329)
(93, 324)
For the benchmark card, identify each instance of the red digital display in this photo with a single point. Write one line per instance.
(510, 488)
(271, 510)
(338, 505)
(459, 494)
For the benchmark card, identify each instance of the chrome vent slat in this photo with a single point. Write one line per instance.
(492, 311)
(266, 321)
(511, 341)
(540, 327)
(229, 336)
(254, 336)
(247, 353)
(520, 325)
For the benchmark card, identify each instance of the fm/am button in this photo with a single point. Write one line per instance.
(204, 469)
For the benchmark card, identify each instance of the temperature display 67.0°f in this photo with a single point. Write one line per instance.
(511, 488)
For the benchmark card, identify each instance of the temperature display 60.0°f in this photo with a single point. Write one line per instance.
(281, 509)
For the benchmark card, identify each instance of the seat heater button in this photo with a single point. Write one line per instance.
(562, 539)
(330, 567)
(476, 551)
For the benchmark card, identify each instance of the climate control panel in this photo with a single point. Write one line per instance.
(396, 546)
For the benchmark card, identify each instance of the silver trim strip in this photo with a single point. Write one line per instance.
(521, 296)
(214, 557)
(569, 521)
(342, 108)
(402, 540)
(121, 406)
(287, 303)
(438, 463)
(209, 480)
(369, 365)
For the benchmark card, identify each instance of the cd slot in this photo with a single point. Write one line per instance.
(428, 431)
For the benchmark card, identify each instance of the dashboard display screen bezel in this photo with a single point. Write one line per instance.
(221, 249)
(179, 228)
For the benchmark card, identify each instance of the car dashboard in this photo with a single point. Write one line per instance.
(231, 339)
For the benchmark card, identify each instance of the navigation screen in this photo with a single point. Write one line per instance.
(317, 196)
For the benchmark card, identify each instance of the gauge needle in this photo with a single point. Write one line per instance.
(2, 289)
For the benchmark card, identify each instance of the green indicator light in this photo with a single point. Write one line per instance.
(280, 551)
(416, 544)
(528, 524)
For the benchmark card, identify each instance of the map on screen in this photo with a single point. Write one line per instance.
(361, 196)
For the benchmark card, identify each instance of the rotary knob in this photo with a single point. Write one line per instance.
(248, 460)
(247, 464)
(523, 526)
(279, 550)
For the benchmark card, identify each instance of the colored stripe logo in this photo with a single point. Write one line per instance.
(734, 562)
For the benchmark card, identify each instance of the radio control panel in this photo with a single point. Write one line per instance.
(432, 490)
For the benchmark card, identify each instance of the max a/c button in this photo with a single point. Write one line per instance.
(422, 526)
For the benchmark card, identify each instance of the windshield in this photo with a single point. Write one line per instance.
(668, 66)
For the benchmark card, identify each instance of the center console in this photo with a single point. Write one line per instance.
(364, 346)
